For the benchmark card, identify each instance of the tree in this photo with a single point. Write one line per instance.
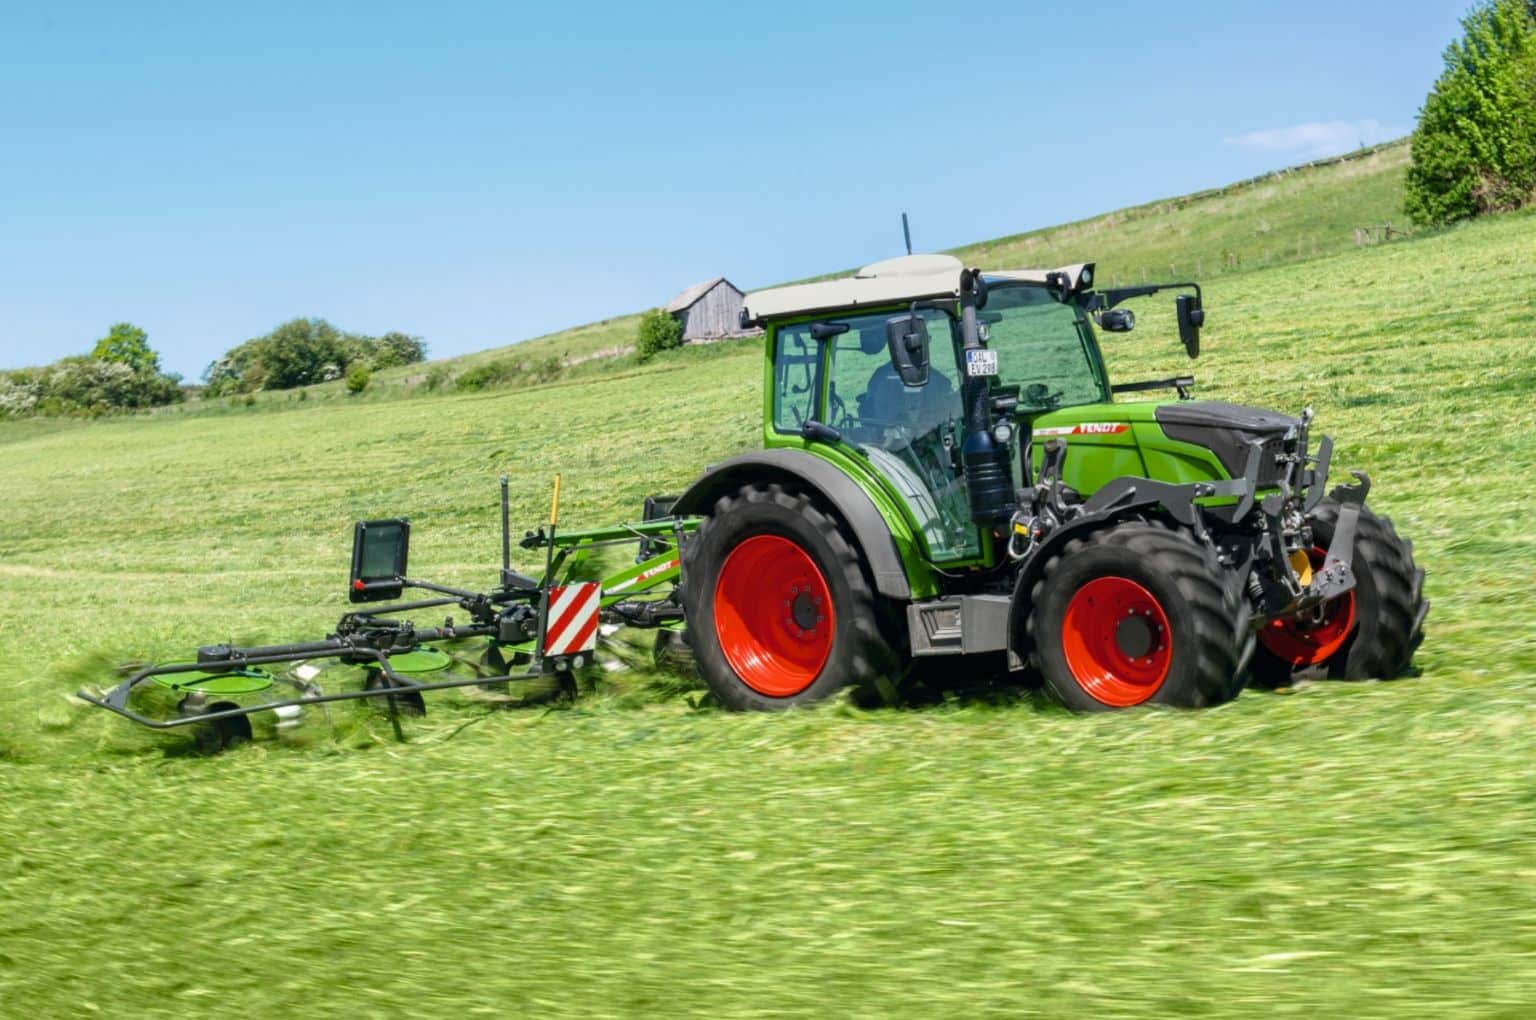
(1474, 149)
(301, 352)
(395, 348)
(128, 345)
(659, 331)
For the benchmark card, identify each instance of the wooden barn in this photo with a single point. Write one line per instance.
(708, 311)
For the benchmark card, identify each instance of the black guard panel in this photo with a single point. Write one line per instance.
(1226, 430)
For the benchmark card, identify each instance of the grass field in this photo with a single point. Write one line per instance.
(1359, 850)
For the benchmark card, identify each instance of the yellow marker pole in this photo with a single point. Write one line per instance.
(549, 569)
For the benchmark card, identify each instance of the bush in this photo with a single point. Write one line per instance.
(492, 373)
(659, 331)
(19, 394)
(357, 378)
(301, 352)
(506, 371)
(84, 385)
(1474, 149)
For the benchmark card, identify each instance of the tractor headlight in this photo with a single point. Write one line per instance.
(1002, 432)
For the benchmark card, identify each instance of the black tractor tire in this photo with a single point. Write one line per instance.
(798, 621)
(1389, 607)
(1138, 614)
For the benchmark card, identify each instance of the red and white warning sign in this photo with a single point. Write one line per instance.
(572, 625)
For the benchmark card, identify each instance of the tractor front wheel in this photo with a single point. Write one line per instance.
(1138, 614)
(1371, 631)
(779, 611)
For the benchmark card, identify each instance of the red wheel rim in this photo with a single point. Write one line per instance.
(1117, 641)
(1306, 641)
(773, 616)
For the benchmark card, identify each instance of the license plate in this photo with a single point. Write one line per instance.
(980, 363)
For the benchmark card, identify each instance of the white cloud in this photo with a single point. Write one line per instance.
(1316, 138)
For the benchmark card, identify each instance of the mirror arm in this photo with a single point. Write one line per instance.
(1111, 297)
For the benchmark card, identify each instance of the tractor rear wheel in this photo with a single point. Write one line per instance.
(1138, 614)
(779, 610)
(1371, 631)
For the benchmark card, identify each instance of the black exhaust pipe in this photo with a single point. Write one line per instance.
(988, 478)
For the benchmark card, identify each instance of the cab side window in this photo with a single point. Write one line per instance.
(795, 372)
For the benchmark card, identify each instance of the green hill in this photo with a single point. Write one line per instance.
(1359, 850)
(1284, 217)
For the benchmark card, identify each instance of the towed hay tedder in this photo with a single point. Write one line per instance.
(530, 629)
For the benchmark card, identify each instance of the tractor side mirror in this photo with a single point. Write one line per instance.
(1117, 320)
(907, 338)
(379, 550)
(1191, 318)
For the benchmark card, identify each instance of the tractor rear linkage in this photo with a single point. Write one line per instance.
(514, 618)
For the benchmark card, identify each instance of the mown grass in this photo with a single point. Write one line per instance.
(1341, 850)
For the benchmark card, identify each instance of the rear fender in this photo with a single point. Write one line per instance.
(851, 503)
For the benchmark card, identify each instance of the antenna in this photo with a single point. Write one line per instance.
(906, 232)
(506, 535)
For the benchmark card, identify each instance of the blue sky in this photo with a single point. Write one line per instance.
(479, 173)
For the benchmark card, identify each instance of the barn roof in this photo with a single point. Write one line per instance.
(690, 297)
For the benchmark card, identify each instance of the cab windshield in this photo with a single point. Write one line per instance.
(1043, 347)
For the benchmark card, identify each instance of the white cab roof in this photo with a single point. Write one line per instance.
(907, 278)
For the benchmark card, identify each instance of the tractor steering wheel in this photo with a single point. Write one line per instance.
(1040, 395)
(837, 412)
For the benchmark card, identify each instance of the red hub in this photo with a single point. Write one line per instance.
(1311, 638)
(1117, 641)
(773, 616)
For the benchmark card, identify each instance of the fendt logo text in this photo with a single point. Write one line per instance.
(1087, 428)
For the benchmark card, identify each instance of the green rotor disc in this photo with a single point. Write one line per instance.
(417, 660)
(230, 681)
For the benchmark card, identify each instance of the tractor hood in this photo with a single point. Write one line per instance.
(1227, 430)
(1174, 442)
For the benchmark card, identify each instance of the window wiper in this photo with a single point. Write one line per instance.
(1183, 383)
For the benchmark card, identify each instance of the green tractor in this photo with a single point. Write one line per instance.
(946, 473)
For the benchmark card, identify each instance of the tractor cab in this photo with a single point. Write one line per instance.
(876, 373)
(930, 382)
